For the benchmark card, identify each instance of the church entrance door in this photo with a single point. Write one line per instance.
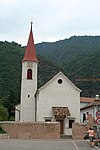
(61, 126)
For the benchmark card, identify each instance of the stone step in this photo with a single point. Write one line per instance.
(65, 136)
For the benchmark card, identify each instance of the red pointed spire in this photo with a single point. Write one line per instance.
(30, 53)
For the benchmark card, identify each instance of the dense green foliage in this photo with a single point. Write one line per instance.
(2, 131)
(11, 55)
(10, 68)
(3, 114)
(76, 57)
(79, 57)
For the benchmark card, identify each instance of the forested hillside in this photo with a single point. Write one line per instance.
(76, 57)
(79, 57)
(11, 55)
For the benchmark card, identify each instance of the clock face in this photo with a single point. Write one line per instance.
(29, 64)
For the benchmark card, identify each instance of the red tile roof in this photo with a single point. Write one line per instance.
(30, 53)
(61, 111)
(86, 99)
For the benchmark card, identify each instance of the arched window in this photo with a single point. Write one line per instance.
(29, 74)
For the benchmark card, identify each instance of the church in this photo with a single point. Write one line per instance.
(57, 100)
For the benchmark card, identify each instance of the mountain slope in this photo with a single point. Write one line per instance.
(11, 55)
(79, 57)
(76, 57)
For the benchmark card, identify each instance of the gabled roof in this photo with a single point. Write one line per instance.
(30, 53)
(60, 73)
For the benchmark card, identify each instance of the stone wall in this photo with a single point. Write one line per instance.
(4, 136)
(78, 131)
(32, 130)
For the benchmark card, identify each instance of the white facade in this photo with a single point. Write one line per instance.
(40, 105)
(91, 108)
(28, 90)
(17, 112)
(85, 112)
(54, 94)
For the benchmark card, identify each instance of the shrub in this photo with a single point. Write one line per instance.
(2, 131)
(3, 114)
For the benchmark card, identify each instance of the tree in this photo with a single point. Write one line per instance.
(3, 113)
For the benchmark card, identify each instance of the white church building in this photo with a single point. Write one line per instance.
(57, 100)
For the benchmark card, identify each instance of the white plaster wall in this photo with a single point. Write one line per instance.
(67, 130)
(28, 87)
(55, 94)
(17, 113)
(92, 110)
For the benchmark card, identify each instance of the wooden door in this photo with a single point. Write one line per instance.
(61, 126)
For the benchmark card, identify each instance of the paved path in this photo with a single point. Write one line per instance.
(62, 144)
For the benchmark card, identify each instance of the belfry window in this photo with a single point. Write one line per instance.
(29, 74)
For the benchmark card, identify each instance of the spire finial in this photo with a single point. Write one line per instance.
(31, 25)
(31, 22)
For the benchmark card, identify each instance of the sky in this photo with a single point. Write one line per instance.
(53, 20)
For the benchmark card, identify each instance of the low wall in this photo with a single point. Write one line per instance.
(32, 130)
(78, 131)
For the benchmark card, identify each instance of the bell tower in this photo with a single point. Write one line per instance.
(29, 81)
